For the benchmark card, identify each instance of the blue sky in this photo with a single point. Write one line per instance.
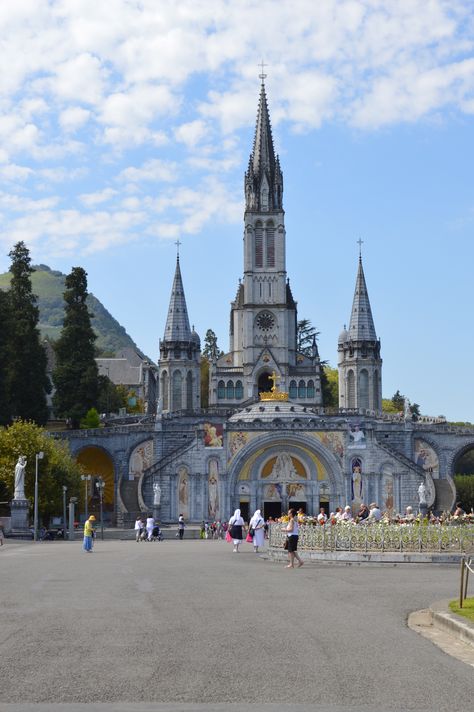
(126, 125)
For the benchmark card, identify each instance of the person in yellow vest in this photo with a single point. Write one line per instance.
(88, 530)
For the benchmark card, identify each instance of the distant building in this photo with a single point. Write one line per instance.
(131, 369)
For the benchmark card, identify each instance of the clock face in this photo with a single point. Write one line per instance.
(265, 321)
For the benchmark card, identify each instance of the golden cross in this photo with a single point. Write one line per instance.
(274, 379)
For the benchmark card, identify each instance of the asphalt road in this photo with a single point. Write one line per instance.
(191, 622)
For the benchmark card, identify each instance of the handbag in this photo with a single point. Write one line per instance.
(228, 536)
(249, 538)
(251, 531)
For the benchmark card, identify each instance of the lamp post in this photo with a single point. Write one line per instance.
(38, 456)
(100, 484)
(86, 479)
(64, 512)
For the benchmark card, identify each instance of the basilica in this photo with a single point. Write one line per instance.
(266, 439)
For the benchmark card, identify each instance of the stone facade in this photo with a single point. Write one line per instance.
(247, 453)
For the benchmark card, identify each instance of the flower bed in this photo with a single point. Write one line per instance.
(347, 536)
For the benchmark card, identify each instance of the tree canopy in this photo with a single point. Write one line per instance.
(25, 378)
(306, 333)
(56, 469)
(76, 373)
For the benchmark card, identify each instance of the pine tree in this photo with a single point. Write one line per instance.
(76, 374)
(27, 380)
(5, 331)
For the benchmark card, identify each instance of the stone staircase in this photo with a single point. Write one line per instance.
(445, 495)
(402, 458)
(129, 497)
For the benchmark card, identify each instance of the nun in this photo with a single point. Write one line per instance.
(236, 525)
(257, 524)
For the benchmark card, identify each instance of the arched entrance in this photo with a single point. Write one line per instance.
(276, 472)
(97, 463)
(264, 384)
(463, 476)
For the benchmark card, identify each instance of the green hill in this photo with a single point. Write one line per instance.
(48, 285)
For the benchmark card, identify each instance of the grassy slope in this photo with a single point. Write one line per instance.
(48, 285)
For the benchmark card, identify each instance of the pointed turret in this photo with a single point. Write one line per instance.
(264, 179)
(361, 325)
(177, 324)
(180, 355)
(359, 361)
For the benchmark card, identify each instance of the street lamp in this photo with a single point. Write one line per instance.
(64, 512)
(38, 456)
(100, 484)
(86, 479)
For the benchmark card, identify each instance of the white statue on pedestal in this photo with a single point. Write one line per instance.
(406, 409)
(422, 494)
(157, 497)
(20, 478)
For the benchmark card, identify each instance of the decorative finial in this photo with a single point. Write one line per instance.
(177, 243)
(263, 76)
(360, 242)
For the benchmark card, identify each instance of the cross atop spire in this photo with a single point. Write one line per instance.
(360, 242)
(262, 74)
(177, 243)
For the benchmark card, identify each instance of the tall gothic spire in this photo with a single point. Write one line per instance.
(177, 324)
(361, 327)
(263, 180)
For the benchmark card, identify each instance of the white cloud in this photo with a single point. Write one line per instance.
(73, 118)
(191, 133)
(13, 172)
(153, 170)
(102, 196)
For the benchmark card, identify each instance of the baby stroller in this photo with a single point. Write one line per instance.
(156, 534)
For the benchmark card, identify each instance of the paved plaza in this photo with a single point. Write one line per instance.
(190, 622)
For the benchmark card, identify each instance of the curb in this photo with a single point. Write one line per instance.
(359, 557)
(444, 619)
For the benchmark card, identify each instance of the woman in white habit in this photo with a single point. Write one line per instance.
(236, 526)
(150, 523)
(257, 524)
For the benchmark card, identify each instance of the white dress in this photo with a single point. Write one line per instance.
(259, 535)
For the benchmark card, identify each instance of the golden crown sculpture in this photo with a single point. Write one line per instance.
(274, 394)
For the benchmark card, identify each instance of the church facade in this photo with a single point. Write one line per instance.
(266, 440)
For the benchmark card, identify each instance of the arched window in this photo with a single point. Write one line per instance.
(165, 390)
(239, 390)
(310, 389)
(293, 390)
(350, 389)
(230, 390)
(376, 390)
(270, 244)
(221, 389)
(363, 389)
(258, 244)
(301, 390)
(177, 396)
(189, 391)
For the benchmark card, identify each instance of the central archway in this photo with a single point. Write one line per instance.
(265, 383)
(277, 471)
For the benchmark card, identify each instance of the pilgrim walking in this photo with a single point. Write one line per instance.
(236, 525)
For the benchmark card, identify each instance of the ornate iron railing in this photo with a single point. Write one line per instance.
(379, 537)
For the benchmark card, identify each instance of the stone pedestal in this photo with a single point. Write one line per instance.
(20, 517)
(156, 512)
(423, 509)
